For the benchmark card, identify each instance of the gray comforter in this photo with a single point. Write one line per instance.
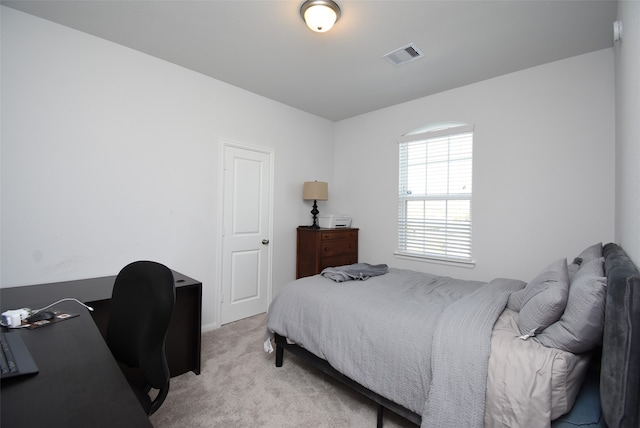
(420, 340)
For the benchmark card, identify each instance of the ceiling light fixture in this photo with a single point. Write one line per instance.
(320, 15)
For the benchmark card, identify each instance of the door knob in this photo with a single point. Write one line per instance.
(265, 241)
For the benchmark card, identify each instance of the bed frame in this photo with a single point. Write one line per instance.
(619, 382)
(324, 366)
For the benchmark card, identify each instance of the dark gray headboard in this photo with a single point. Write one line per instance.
(620, 367)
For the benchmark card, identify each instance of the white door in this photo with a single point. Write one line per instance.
(245, 242)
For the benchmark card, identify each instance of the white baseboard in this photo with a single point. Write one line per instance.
(209, 327)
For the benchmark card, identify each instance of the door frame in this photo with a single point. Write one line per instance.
(224, 143)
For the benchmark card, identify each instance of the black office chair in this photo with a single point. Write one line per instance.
(141, 307)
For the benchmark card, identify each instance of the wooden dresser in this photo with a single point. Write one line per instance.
(321, 248)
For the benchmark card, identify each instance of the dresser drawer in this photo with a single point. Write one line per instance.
(337, 247)
(330, 235)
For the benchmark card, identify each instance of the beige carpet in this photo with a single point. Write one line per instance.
(240, 387)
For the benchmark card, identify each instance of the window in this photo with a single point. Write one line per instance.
(434, 200)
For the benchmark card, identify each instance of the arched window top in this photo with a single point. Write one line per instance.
(434, 130)
(437, 126)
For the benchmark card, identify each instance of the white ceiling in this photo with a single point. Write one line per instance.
(264, 46)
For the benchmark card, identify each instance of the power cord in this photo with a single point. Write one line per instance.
(35, 311)
(13, 318)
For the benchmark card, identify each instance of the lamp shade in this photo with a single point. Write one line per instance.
(315, 191)
(320, 15)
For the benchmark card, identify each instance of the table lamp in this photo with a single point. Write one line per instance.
(315, 191)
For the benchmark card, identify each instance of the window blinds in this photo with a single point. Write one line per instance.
(435, 187)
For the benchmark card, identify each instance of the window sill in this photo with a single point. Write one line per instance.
(468, 264)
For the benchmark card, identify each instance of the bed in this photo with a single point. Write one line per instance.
(441, 351)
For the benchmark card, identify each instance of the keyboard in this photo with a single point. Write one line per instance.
(15, 358)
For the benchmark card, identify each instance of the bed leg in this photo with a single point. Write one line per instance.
(279, 355)
(380, 415)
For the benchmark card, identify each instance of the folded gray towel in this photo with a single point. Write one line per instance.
(359, 271)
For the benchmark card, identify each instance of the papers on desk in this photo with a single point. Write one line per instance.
(59, 316)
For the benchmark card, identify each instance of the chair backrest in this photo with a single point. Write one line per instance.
(141, 307)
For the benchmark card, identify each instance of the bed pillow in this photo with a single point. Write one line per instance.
(516, 299)
(544, 299)
(588, 254)
(573, 269)
(591, 252)
(580, 326)
(594, 267)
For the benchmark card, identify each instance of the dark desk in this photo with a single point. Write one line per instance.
(80, 384)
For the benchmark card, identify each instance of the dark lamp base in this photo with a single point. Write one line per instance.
(314, 213)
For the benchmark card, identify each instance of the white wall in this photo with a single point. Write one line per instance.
(627, 54)
(543, 167)
(110, 155)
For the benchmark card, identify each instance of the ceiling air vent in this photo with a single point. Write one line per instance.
(404, 54)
